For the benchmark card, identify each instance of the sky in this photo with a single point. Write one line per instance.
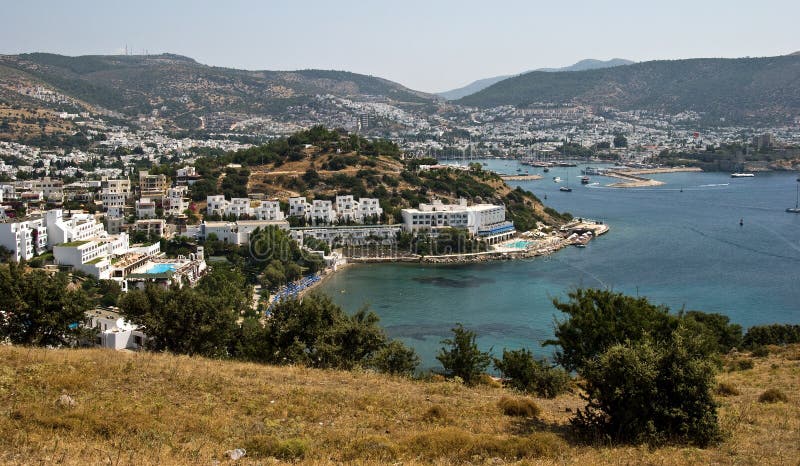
(425, 45)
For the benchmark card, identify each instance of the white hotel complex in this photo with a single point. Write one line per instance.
(485, 221)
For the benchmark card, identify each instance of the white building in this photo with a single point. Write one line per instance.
(241, 207)
(487, 221)
(322, 212)
(369, 207)
(145, 208)
(78, 227)
(237, 232)
(346, 208)
(348, 235)
(113, 331)
(24, 238)
(175, 202)
(299, 207)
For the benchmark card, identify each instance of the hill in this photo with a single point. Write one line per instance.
(147, 408)
(738, 89)
(588, 64)
(182, 90)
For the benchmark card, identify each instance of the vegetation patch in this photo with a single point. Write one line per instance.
(518, 407)
(773, 395)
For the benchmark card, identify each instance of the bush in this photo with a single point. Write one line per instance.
(463, 358)
(454, 445)
(760, 352)
(520, 407)
(741, 365)
(775, 334)
(651, 392)
(396, 359)
(435, 412)
(373, 448)
(721, 335)
(525, 373)
(726, 389)
(773, 395)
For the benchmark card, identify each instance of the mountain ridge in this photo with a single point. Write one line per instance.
(480, 84)
(740, 89)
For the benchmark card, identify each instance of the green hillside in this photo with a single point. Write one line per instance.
(735, 89)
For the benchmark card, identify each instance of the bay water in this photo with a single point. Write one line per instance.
(680, 244)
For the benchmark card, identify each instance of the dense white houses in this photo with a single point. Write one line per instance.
(242, 207)
(23, 238)
(344, 209)
(487, 221)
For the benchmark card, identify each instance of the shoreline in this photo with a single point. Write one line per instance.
(576, 233)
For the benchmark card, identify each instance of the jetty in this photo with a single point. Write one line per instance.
(521, 177)
(632, 177)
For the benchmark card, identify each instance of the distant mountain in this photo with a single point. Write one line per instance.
(479, 85)
(740, 89)
(183, 89)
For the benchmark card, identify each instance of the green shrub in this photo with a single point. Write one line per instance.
(525, 373)
(520, 407)
(775, 334)
(461, 357)
(760, 352)
(773, 395)
(741, 365)
(396, 359)
(651, 392)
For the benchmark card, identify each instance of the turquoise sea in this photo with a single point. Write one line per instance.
(679, 244)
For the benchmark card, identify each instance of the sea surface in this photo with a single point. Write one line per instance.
(680, 244)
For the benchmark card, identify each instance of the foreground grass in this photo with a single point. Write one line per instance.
(160, 409)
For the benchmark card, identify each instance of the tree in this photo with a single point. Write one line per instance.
(527, 374)
(181, 320)
(463, 358)
(396, 359)
(40, 309)
(720, 334)
(620, 140)
(353, 340)
(598, 319)
(654, 392)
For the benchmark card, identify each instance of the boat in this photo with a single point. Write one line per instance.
(547, 170)
(580, 245)
(566, 189)
(796, 208)
(584, 180)
(742, 175)
(556, 179)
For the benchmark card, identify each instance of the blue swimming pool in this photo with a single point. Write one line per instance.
(519, 244)
(161, 268)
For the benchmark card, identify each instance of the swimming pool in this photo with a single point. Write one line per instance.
(161, 268)
(519, 244)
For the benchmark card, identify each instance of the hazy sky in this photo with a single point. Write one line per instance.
(426, 45)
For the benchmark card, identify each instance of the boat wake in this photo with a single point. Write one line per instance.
(744, 246)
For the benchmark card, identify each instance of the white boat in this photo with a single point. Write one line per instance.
(796, 208)
(742, 175)
(556, 179)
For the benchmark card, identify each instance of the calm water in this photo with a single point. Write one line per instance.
(679, 244)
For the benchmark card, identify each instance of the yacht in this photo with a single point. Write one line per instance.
(566, 189)
(796, 208)
(556, 179)
(584, 180)
(742, 175)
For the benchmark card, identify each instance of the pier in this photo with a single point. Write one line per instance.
(521, 177)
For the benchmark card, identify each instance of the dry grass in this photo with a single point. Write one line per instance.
(159, 409)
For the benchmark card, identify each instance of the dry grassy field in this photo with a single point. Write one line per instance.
(126, 408)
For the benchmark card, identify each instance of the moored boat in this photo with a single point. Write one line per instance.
(742, 175)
